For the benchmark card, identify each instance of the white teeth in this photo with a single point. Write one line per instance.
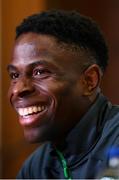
(30, 110)
(20, 111)
(39, 108)
(35, 109)
(25, 112)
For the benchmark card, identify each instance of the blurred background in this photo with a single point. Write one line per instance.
(13, 148)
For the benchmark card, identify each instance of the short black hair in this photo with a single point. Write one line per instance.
(69, 27)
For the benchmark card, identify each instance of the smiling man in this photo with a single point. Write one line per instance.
(57, 64)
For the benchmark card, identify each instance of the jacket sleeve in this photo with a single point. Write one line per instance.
(25, 171)
(33, 167)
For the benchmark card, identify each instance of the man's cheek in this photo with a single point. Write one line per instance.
(49, 87)
(10, 95)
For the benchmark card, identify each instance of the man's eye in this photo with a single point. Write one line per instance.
(41, 72)
(14, 75)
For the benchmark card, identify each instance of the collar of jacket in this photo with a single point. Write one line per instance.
(84, 136)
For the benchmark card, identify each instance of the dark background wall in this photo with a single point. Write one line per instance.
(14, 148)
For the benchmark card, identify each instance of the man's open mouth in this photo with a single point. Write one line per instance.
(30, 110)
(32, 115)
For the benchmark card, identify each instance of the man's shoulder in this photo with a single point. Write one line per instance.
(115, 108)
(33, 163)
(111, 127)
(41, 151)
(109, 135)
(38, 155)
(113, 113)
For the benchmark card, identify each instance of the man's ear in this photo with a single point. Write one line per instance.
(91, 78)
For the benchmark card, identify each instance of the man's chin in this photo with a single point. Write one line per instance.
(33, 136)
(38, 135)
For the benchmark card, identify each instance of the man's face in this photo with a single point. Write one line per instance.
(46, 89)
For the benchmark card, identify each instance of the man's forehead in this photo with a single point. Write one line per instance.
(30, 50)
(25, 50)
(35, 41)
(32, 45)
(34, 38)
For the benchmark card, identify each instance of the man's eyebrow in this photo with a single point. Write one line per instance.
(36, 63)
(33, 64)
(11, 67)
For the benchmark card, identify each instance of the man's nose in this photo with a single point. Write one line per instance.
(23, 87)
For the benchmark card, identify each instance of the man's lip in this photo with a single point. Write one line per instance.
(33, 119)
(25, 104)
(25, 111)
